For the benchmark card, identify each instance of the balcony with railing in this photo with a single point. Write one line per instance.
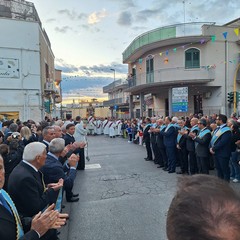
(115, 86)
(116, 101)
(160, 34)
(175, 75)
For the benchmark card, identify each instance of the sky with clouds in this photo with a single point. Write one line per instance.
(89, 37)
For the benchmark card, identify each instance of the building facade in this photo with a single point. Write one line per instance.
(27, 74)
(118, 99)
(201, 58)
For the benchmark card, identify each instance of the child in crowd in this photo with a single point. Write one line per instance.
(129, 131)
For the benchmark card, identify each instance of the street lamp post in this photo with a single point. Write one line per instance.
(113, 69)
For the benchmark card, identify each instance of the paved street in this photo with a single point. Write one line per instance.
(127, 198)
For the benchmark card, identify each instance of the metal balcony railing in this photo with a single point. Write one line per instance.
(161, 33)
(172, 74)
(115, 101)
(117, 84)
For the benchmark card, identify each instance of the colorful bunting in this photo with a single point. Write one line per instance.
(167, 53)
(213, 38)
(236, 30)
(175, 49)
(225, 35)
(160, 54)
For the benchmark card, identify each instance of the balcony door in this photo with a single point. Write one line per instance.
(150, 69)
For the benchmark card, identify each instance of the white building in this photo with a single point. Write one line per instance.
(118, 99)
(200, 57)
(27, 73)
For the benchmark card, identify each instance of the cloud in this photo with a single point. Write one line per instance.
(73, 15)
(89, 28)
(76, 87)
(66, 68)
(96, 17)
(63, 29)
(101, 69)
(125, 19)
(145, 15)
(50, 20)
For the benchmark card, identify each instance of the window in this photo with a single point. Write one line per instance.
(192, 58)
(149, 70)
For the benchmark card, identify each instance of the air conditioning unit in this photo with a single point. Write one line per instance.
(207, 95)
(49, 87)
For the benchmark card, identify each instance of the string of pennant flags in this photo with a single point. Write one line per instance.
(174, 50)
(202, 41)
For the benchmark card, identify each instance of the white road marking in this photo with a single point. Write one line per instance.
(92, 166)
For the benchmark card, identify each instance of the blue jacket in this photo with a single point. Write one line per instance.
(170, 137)
(53, 170)
(222, 146)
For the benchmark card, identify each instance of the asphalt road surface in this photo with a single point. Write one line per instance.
(121, 195)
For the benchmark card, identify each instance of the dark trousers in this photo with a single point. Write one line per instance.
(183, 158)
(203, 165)
(149, 150)
(192, 162)
(81, 163)
(163, 156)
(156, 152)
(171, 155)
(222, 166)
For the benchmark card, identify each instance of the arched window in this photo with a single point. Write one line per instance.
(192, 58)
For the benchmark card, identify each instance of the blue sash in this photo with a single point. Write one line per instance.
(168, 126)
(58, 205)
(203, 133)
(11, 204)
(179, 136)
(218, 134)
(162, 127)
(194, 128)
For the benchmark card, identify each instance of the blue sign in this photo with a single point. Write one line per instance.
(115, 107)
(180, 99)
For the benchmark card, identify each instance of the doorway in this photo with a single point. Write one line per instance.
(198, 104)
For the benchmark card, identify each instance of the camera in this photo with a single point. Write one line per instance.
(15, 135)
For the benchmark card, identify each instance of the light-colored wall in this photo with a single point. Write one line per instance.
(211, 53)
(24, 92)
(21, 93)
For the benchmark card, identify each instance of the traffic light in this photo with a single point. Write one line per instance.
(230, 97)
(237, 97)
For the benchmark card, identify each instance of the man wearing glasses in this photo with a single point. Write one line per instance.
(220, 146)
(202, 146)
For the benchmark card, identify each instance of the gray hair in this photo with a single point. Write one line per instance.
(32, 150)
(45, 130)
(56, 145)
(13, 127)
(175, 119)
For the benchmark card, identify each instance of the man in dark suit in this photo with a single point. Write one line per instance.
(190, 145)
(146, 139)
(11, 227)
(202, 141)
(220, 146)
(79, 146)
(26, 186)
(160, 145)
(181, 147)
(170, 139)
(53, 170)
(48, 134)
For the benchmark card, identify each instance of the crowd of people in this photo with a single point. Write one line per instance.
(39, 161)
(195, 143)
(38, 164)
